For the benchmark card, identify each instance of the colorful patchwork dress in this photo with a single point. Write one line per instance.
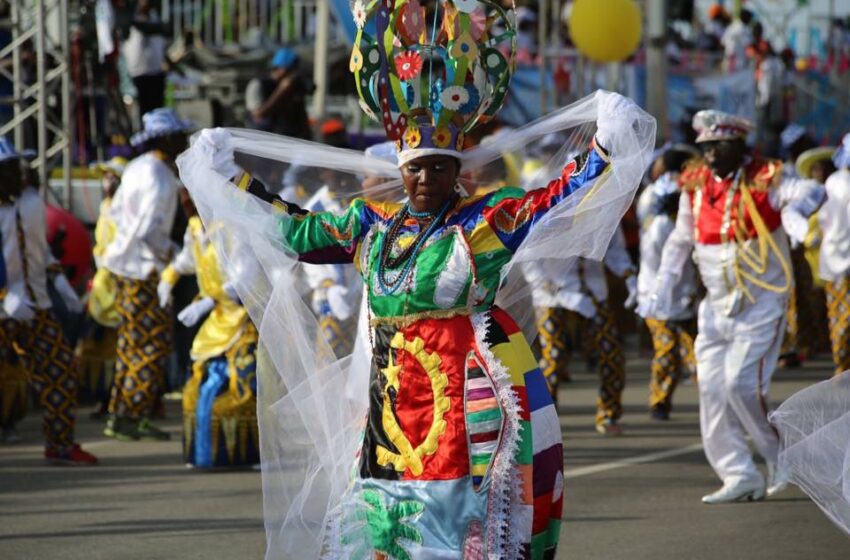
(462, 454)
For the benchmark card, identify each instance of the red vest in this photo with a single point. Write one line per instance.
(759, 177)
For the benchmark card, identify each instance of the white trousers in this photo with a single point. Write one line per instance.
(736, 358)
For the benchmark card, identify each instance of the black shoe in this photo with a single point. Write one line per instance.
(122, 429)
(148, 431)
(661, 413)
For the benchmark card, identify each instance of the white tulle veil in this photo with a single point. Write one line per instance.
(814, 431)
(312, 404)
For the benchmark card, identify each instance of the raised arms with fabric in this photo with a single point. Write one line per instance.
(321, 399)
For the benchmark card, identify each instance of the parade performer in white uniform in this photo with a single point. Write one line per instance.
(144, 209)
(734, 216)
(834, 267)
(672, 330)
(581, 287)
(28, 326)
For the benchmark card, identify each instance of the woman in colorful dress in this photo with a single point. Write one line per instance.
(460, 452)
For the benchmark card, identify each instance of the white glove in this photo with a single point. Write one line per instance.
(662, 298)
(796, 226)
(67, 293)
(613, 112)
(193, 313)
(163, 292)
(216, 148)
(338, 302)
(631, 286)
(17, 307)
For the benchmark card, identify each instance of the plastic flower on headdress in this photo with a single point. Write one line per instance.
(408, 65)
(359, 12)
(442, 137)
(412, 136)
(454, 97)
(411, 18)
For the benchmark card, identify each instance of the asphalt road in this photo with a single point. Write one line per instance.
(635, 497)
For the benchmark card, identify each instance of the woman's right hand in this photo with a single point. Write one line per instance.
(216, 147)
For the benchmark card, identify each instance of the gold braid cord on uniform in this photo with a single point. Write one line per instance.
(838, 312)
(144, 343)
(755, 260)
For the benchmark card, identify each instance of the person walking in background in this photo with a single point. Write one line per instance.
(28, 326)
(147, 61)
(834, 266)
(560, 288)
(797, 343)
(219, 398)
(672, 331)
(97, 349)
(144, 209)
(277, 102)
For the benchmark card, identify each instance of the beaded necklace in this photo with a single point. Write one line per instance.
(405, 260)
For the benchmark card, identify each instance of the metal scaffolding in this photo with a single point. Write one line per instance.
(41, 94)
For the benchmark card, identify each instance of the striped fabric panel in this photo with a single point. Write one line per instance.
(483, 420)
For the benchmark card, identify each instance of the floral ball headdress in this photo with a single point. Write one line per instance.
(430, 75)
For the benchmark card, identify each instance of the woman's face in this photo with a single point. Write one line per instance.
(430, 181)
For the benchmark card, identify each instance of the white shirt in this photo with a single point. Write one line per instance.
(795, 199)
(144, 54)
(143, 209)
(684, 292)
(38, 256)
(575, 285)
(834, 220)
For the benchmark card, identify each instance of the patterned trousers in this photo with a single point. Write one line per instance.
(49, 362)
(838, 312)
(799, 316)
(144, 344)
(555, 355)
(673, 342)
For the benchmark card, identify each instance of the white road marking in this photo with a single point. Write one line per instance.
(648, 458)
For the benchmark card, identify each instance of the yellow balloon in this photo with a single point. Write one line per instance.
(605, 30)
